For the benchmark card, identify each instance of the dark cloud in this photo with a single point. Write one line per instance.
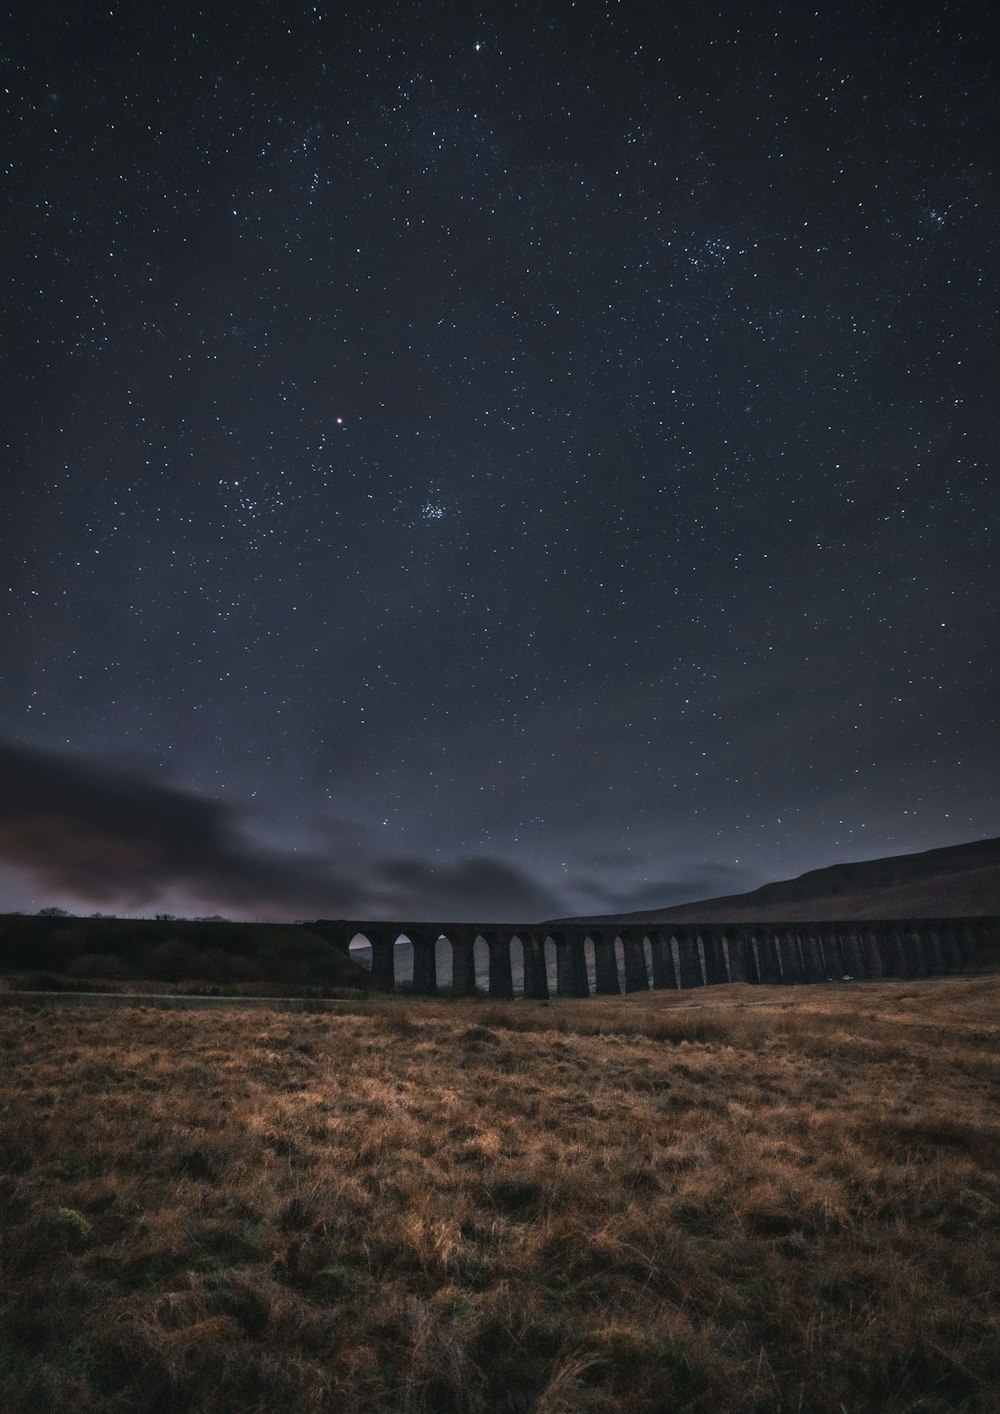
(469, 888)
(592, 890)
(708, 880)
(109, 834)
(112, 835)
(608, 858)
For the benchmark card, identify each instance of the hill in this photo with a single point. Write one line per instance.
(957, 881)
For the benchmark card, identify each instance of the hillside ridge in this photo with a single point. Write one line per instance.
(960, 880)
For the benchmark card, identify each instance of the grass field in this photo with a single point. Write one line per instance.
(730, 1200)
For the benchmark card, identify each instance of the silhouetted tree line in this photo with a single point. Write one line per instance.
(169, 950)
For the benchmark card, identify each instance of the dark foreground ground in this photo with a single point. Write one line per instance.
(730, 1200)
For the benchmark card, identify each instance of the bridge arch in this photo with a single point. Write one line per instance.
(734, 955)
(811, 951)
(662, 966)
(687, 960)
(462, 961)
(403, 960)
(499, 973)
(635, 972)
(607, 980)
(481, 962)
(713, 958)
(765, 957)
(534, 970)
(788, 954)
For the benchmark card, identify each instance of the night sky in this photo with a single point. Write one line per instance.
(493, 463)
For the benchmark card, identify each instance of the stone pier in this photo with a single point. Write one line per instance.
(634, 955)
(606, 981)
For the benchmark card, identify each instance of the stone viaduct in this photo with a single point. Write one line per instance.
(664, 955)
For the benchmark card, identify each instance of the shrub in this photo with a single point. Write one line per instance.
(103, 965)
(41, 982)
(171, 960)
(69, 1227)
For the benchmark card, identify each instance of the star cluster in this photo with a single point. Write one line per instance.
(563, 437)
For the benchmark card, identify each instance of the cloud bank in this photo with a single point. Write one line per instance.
(110, 836)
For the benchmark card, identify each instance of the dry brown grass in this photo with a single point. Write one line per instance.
(731, 1200)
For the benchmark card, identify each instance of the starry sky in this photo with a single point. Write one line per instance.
(493, 463)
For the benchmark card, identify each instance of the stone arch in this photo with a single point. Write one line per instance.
(686, 958)
(581, 962)
(619, 951)
(950, 949)
(789, 955)
(933, 952)
(424, 943)
(832, 960)
(500, 973)
(850, 950)
(385, 958)
(811, 948)
(886, 949)
(463, 963)
(481, 962)
(590, 963)
(402, 959)
(914, 953)
(662, 967)
(535, 971)
(359, 949)
(551, 961)
(914, 943)
(519, 954)
(699, 953)
(734, 954)
(966, 941)
(984, 932)
(765, 956)
(896, 952)
(634, 970)
(647, 952)
(871, 951)
(571, 962)
(712, 959)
